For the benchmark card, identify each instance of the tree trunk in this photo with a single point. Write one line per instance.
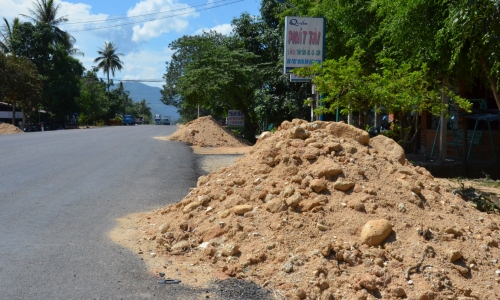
(14, 113)
(491, 80)
(349, 115)
(401, 118)
(444, 123)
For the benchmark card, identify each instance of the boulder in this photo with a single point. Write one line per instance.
(343, 185)
(299, 133)
(242, 209)
(344, 130)
(374, 232)
(389, 148)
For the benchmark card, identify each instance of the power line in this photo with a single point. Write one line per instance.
(154, 19)
(137, 80)
(88, 21)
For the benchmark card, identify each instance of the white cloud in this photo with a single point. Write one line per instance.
(145, 65)
(222, 29)
(174, 18)
(75, 12)
(145, 54)
(12, 9)
(79, 16)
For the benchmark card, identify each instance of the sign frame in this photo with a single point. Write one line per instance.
(304, 43)
(235, 119)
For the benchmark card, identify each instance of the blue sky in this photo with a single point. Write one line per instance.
(143, 43)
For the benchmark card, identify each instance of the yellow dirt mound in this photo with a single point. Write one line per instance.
(9, 129)
(206, 132)
(321, 211)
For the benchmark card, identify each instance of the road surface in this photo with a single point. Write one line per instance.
(61, 193)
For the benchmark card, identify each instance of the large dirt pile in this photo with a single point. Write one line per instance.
(207, 132)
(6, 128)
(321, 211)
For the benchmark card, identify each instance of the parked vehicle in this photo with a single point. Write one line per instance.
(166, 120)
(72, 121)
(29, 127)
(128, 120)
(157, 119)
(384, 126)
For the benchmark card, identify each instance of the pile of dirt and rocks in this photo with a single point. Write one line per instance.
(6, 128)
(321, 211)
(207, 132)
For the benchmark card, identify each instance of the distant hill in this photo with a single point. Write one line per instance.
(139, 91)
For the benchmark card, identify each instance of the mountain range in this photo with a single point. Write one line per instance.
(139, 91)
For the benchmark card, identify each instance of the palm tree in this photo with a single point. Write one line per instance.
(109, 60)
(7, 36)
(45, 11)
(144, 109)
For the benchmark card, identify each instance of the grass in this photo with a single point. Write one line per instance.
(487, 181)
(487, 202)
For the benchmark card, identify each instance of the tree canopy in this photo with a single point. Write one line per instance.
(20, 82)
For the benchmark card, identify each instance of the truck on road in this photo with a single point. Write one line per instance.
(157, 119)
(166, 120)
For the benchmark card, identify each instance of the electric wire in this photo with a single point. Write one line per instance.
(138, 80)
(87, 21)
(154, 19)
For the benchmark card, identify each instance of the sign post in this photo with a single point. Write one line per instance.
(304, 46)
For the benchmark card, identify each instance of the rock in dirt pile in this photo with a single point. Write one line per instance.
(321, 211)
(207, 132)
(9, 129)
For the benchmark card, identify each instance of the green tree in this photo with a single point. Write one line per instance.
(399, 88)
(7, 40)
(62, 84)
(343, 83)
(60, 72)
(277, 99)
(20, 82)
(412, 33)
(274, 98)
(46, 12)
(109, 60)
(142, 109)
(93, 102)
(217, 73)
(8, 35)
(473, 30)
(50, 49)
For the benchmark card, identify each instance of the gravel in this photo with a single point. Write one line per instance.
(233, 288)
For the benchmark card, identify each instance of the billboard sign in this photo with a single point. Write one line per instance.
(304, 42)
(235, 119)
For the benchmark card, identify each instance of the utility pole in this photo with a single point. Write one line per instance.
(313, 91)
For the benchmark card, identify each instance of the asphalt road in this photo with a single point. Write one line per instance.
(60, 194)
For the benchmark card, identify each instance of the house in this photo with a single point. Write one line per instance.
(6, 114)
